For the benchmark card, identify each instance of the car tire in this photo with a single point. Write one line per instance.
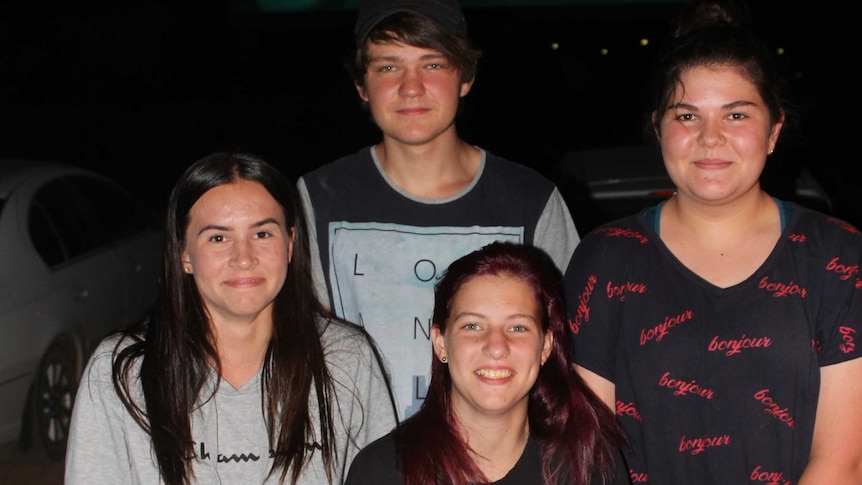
(54, 389)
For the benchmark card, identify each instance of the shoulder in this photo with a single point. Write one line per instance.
(347, 346)
(611, 247)
(519, 188)
(831, 224)
(522, 175)
(626, 231)
(381, 449)
(375, 464)
(337, 185)
(340, 168)
(817, 233)
(103, 357)
(336, 333)
(98, 376)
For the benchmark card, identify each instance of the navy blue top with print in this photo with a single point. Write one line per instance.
(377, 251)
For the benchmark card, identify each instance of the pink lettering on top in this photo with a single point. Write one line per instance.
(782, 289)
(682, 388)
(629, 409)
(696, 446)
(769, 478)
(638, 477)
(620, 232)
(798, 238)
(736, 346)
(846, 271)
(622, 290)
(771, 407)
(582, 312)
(659, 331)
(848, 334)
(843, 225)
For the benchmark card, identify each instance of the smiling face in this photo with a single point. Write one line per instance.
(716, 135)
(494, 345)
(237, 247)
(413, 93)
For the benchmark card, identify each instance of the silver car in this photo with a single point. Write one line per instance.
(79, 258)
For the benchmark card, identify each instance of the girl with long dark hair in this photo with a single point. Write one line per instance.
(238, 376)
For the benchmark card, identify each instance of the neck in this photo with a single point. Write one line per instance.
(241, 348)
(496, 444)
(432, 170)
(721, 220)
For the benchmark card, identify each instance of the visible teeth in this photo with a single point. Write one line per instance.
(494, 373)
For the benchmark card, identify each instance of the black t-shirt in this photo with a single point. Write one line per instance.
(377, 464)
(716, 385)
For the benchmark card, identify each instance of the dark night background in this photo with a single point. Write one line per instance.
(138, 89)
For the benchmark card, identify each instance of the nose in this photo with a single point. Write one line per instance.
(711, 133)
(412, 84)
(496, 344)
(243, 255)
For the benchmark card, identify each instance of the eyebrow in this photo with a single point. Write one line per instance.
(733, 105)
(481, 315)
(395, 58)
(216, 227)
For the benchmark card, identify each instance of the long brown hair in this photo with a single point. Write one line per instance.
(176, 344)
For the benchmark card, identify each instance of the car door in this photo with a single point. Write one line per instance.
(89, 273)
(129, 229)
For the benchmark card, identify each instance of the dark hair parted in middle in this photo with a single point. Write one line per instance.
(179, 344)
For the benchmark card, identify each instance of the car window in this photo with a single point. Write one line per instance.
(74, 215)
(60, 206)
(117, 213)
(45, 236)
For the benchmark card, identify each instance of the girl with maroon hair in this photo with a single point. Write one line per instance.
(504, 405)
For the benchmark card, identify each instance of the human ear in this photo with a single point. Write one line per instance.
(291, 236)
(655, 126)
(186, 261)
(363, 95)
(547, 346)
(466, 87)
(774, 132)
(438, 343)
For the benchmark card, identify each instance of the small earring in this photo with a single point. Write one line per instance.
(443, 359)
(188, 269)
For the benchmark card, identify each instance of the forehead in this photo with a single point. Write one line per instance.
(399, 50)
(493, 288)
(726, 76)
(233, 200)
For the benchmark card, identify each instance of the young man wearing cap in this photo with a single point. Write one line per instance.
(386, 221)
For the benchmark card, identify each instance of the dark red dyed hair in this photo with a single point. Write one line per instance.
(577, 433)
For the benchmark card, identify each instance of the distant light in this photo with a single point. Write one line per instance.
(555, 46)
(604, 51)
(644, 42)
(780, 51)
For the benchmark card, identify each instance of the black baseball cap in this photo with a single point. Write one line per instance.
(447, 13)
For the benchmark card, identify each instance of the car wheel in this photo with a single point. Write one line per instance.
(53, 396)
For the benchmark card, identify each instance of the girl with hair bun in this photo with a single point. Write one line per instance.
(723, 325)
